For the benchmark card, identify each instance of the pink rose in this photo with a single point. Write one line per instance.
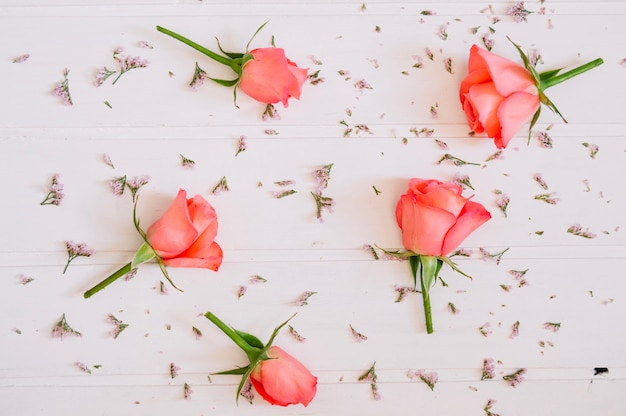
(498, 96)
(283, 380)
(270, 77)
(184, 235)
(435, 218)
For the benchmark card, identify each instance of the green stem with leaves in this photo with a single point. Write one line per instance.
(233, 64)
(251, 352)
(552, 81)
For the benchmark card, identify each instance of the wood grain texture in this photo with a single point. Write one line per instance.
(154, 117)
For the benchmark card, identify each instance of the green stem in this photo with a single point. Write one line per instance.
(216, 57)
(427, 311)
(237, 339)
(570, 74)
(121, 272)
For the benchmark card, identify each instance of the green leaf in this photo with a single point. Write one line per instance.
(245, 376)
(255, 33)
(545, 100)
(143, 255)
(235, 371)
(232, 55)
(453, 265)
(544, 76)
(415, 263)
(429, 271)
(533, 122)
(276, 331)
(225, 82)
(398, 254)
(250, 339)
(165, 273)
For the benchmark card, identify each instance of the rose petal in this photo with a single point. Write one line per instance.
(173, 232)
(515, 111)
(508, 76)
(486, 100)
(472, 217)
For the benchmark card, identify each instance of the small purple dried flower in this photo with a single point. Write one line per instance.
(82, 367)
(303, 299)
(76, 250)
(371, 377)
(186, 162)
(222, 185)
(241, 291)
(548, 198)
(144, 45)
(196, 332)
(55, 195)
(102, 75)
(430, 379)
(552, 326)
(174, 369)
(357, 335)
(362, 85)
(187, 391)
(537, 177)
(24, 280)
(402, 291)
(62, 89)
(515, 329)
(514, 379)
(485, 329)
(544, 140)
(462, 181)
(270, 113)
(518, 12)
(127, 63)
(242, 146)
(107, 159)
(296, 335)
(488, 369)
(62, 328)
(246, 391)
(578, 230)
(119, 325)
(21, 58)
(118, 185)
(199, 76)
(135, 183)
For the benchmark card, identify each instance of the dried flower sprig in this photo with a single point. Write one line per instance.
(455, 160)
(577, 229)
(222, 186)
(357, 335)
(246, 391)
(135, 183)
(62, 328)
(75, 250)
(270, 113)
(295, 334)
(186, 162)
(514, 379)
(518, 11)
(242, 145)
(593, 149)
(544, 140)
(430, 379)
(82, 367)
(371, 377)
(303, 299)
(107, 160)
(515, 329)
(488, 407)
(187, 391)
(117, 185)
(502, 202)
(497, 257)
(119, 325)
(488, 369)
(323, 202)
(125, 63)
(24, 280)
(552, 326)
(548, 198)
(174, 369)
(62, 89)
(485, 329)
(199, 76)
(21, 58)
(55, 196)
(462, 180)
(402, 292)
(539, 179)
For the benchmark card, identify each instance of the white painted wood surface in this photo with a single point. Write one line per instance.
(155, 117)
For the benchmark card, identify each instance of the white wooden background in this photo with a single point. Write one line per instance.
(155, 117)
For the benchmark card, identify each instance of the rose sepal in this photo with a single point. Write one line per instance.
(251, 345)
(427, 268)
(550, 78)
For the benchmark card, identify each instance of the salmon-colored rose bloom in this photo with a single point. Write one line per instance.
(270, 77)
(282, 380)
(498, 96)
(185, 235)
(435, 218)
